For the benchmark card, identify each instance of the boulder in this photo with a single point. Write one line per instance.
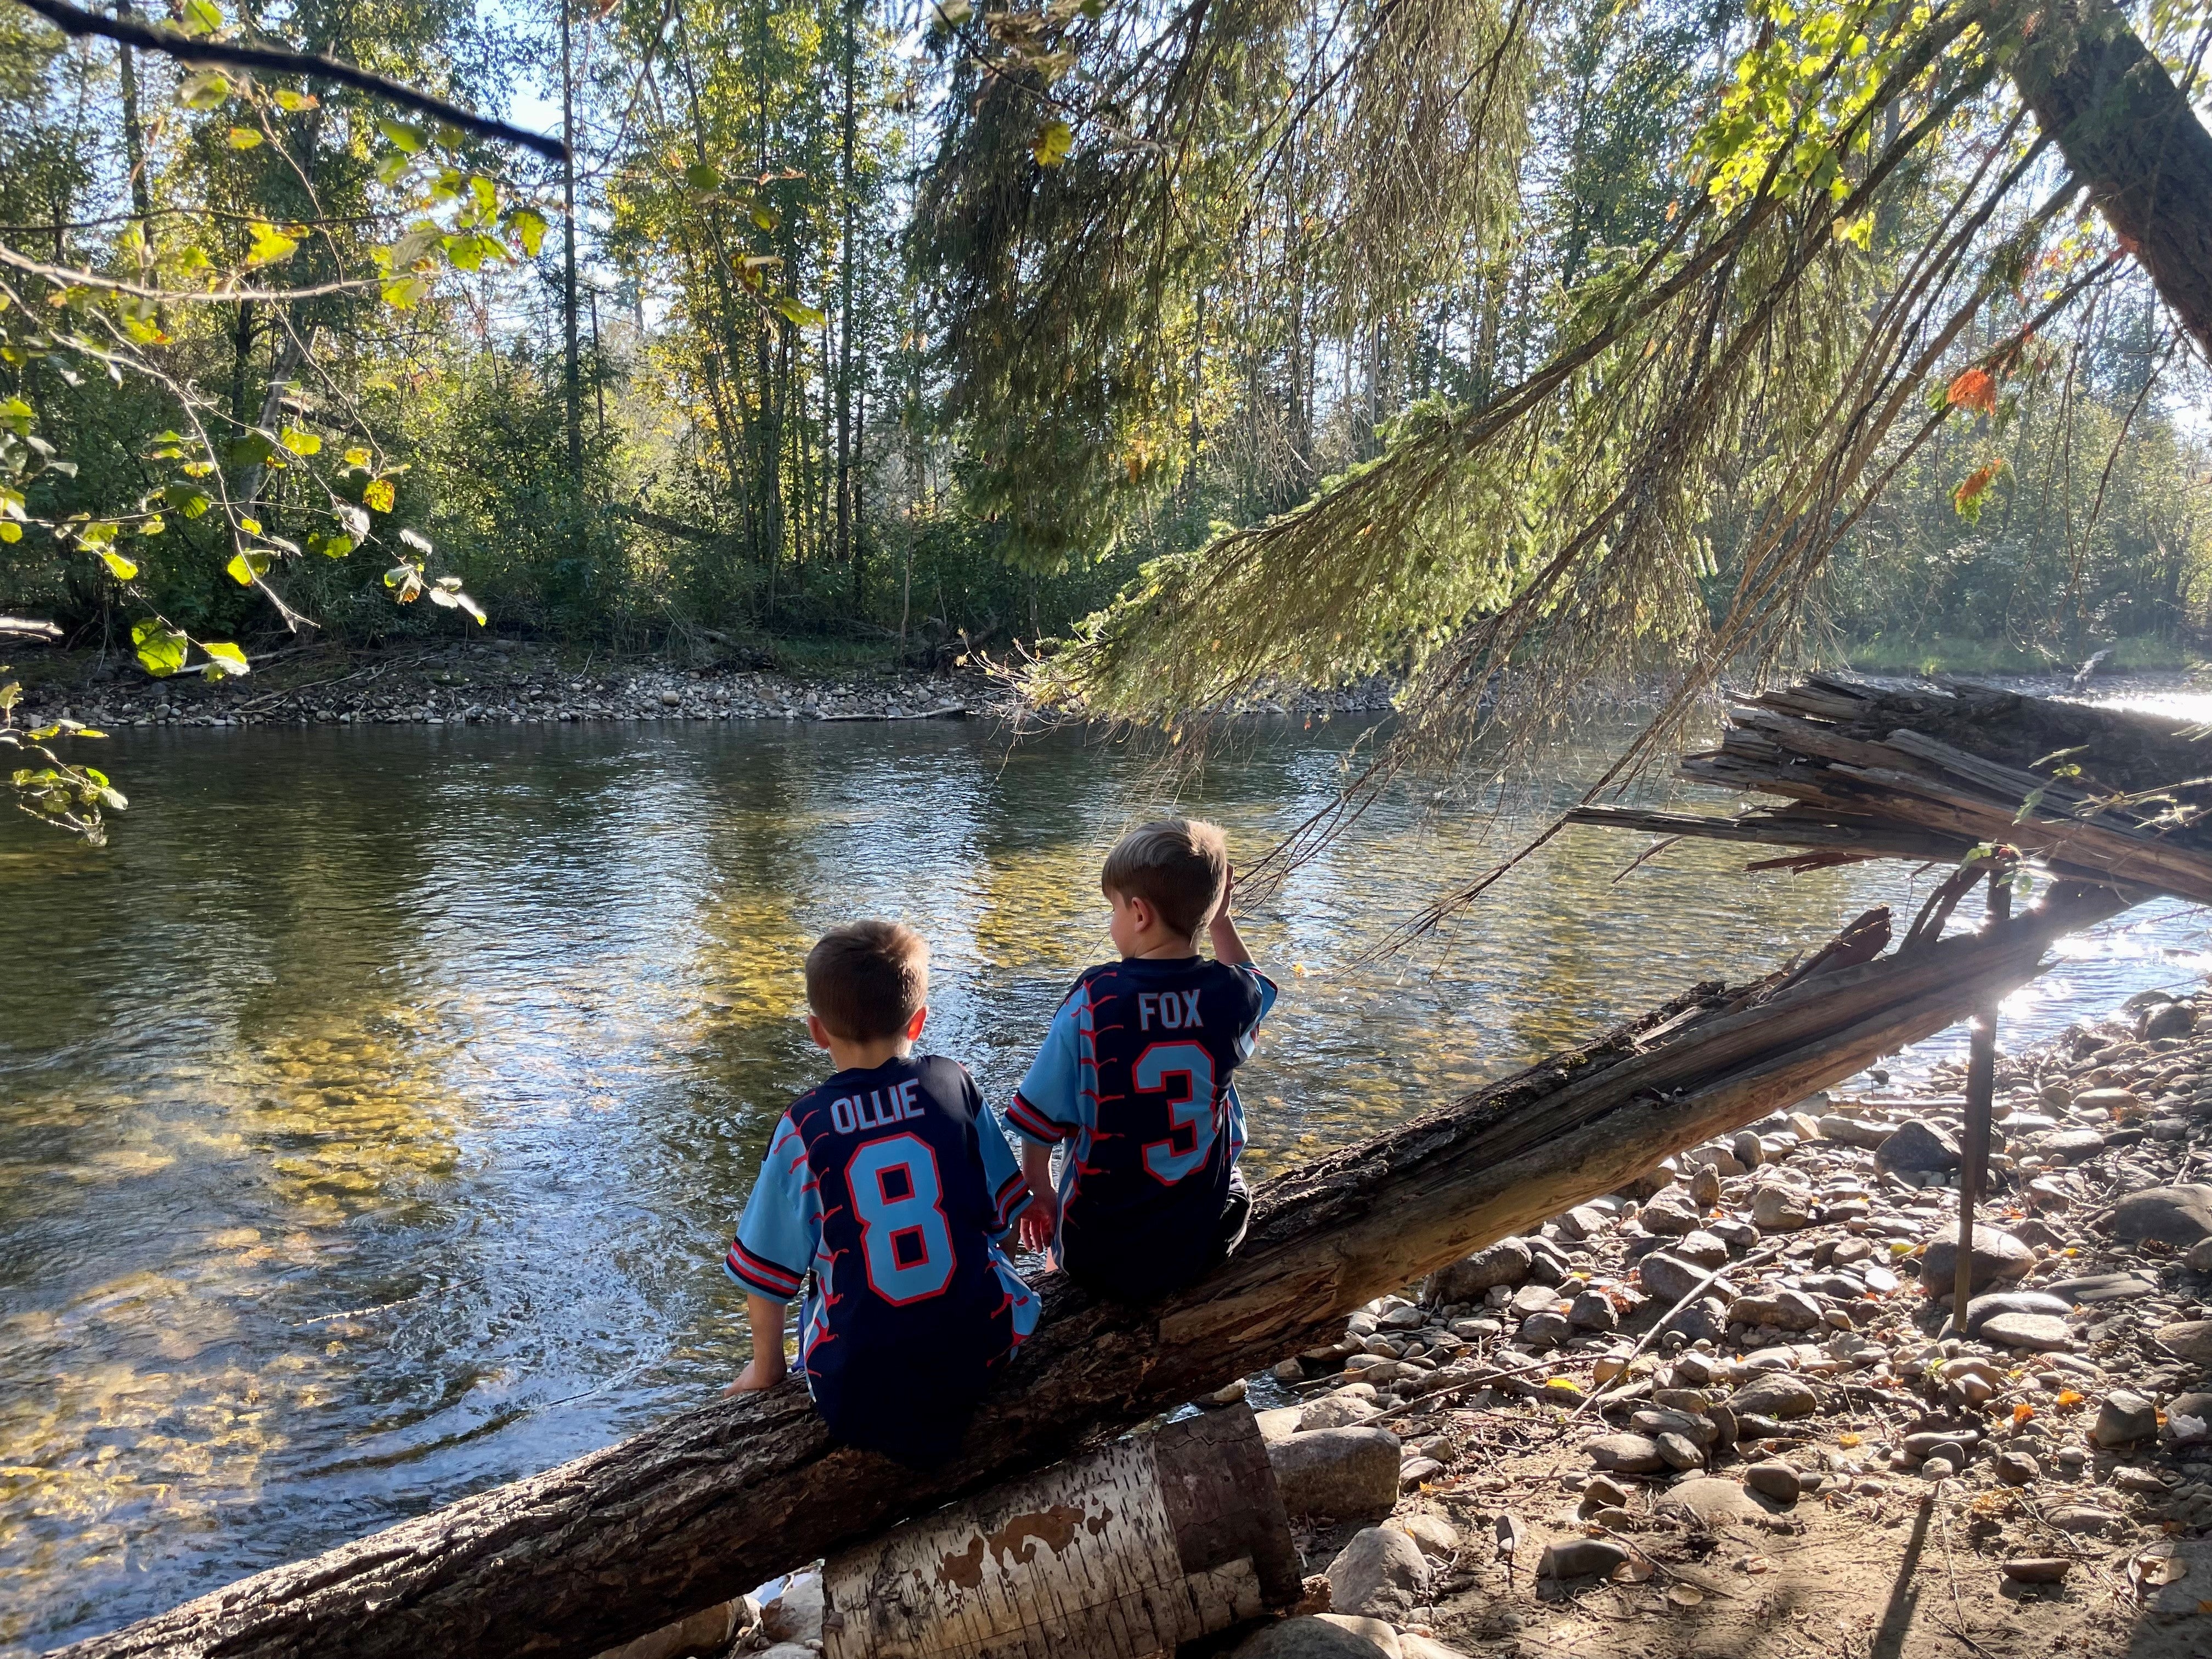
(2199, 1259)
(1506, 1262)
(1917, 1147)
(795, 1615)
(1704, 1186)
(1777, 1395)
(2093, 1289)
(2124, 1417)
(2168, 1020)
(1319, 1637)
(1383, 1638)
(2094, 1101)
(1336, 1410)
(1775, 1208)
(1435, 1537)
(1380, 1574)
(2191, 1339)
(1545, 1330)
(1999, 1258)
(1346, 1474)
(1712, 1502)
(1625, 1454)
(2035, 1331)
(2190, 1418)
(1670, 1278)
(1788, 1310)
(1854, 1132)
(1593, 1310)
(1670, 1215)
(1983, 1309)
(1700, 1249)
(2172, 1215)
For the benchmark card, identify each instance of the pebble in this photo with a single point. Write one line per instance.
(1998, 1257)
(1775, 1395)
(2124, 1417)
(2038, 1569)
(1773, 1478)
(1625, 1453)
(1582, 1558)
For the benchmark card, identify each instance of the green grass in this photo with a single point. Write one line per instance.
(1941, 654)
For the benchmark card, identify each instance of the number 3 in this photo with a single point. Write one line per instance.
(1191, 1114)
(905, 1238)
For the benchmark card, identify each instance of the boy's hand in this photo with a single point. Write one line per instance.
(1228, 947)
(1040, 1223)
(760, 1372)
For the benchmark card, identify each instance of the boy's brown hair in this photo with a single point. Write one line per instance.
(864, 980)
(1177, 865)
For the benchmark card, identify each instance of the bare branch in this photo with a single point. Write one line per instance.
(314, 65)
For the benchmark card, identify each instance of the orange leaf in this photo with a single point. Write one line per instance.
(1976, 485)
(2021, 1412)
(1976, 389)
(2068, 1399)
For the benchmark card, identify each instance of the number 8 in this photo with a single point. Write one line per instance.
(905, 1238)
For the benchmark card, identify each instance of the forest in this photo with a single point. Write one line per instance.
(849, 332)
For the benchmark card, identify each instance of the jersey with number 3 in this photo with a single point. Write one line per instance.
(1134, 1074)
(894, 1188)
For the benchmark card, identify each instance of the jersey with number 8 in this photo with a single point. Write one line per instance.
(894, 1189)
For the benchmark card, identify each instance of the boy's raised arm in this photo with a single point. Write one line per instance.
(1228, 945)
(773, 1234)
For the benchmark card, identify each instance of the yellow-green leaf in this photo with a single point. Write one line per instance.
(405, 139)
(295, 101)
(224, 659)
(244, 138)
(356, 456)
(161, 648)
(201, 17)
(799, 313)
(271, 245)
(380, 494)
(1054, 143)
(300, 443)
(528, 227)
(404, 292)
(123, 569)
(205, 90)
(247, 568)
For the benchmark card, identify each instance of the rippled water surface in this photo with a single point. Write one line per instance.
(373, 1110)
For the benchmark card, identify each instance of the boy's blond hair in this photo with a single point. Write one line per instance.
(864, 980)
(1177, 865)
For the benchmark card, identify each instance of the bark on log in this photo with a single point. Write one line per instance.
(1154, 1540)
(702, 1508)
(2130, 135)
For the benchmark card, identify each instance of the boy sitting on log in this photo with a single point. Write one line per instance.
(1135, 1074)
(893, 1185)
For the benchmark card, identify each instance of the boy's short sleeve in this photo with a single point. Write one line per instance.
(1261, 991)
(1002, 1173)
(774, 1240)
(1046, 1107)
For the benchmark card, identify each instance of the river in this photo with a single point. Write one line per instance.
(375, 1108)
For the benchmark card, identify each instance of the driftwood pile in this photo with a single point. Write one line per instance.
(1930, 773)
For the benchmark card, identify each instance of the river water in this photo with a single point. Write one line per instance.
(375, 1108)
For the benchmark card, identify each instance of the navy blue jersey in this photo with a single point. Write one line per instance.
(894, 1188)
(1135, 1074)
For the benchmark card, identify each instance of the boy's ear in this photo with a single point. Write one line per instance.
(914, 1026)
(1140, 912)
(818, 1030)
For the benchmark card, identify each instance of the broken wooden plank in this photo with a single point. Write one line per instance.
(703, 1507)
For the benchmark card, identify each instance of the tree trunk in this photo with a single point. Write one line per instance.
(567, 1563)
(847, 257)
(572, 386)
(1152, 1541)
(2131, 137)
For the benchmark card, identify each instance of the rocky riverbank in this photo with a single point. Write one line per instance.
(1801, 1461)
(503, 681)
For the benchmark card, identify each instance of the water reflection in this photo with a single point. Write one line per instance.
(372, 1109)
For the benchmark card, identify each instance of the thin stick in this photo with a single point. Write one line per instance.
(1981, 1086)
(314, 65)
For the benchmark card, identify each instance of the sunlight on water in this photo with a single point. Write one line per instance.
(373, 1110)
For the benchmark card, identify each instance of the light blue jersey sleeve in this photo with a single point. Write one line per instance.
(777, 1235)
(1002, 1173)
(1263, 991)
(1048, 1106)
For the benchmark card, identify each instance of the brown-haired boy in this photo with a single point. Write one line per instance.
(1135, 1074)
(892, 1184)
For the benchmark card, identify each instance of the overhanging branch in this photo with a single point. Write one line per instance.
(315, 64)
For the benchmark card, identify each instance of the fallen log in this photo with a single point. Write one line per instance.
(1930, 773)
(715, 1500)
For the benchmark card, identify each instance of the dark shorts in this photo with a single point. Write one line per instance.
(1228, 1234)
